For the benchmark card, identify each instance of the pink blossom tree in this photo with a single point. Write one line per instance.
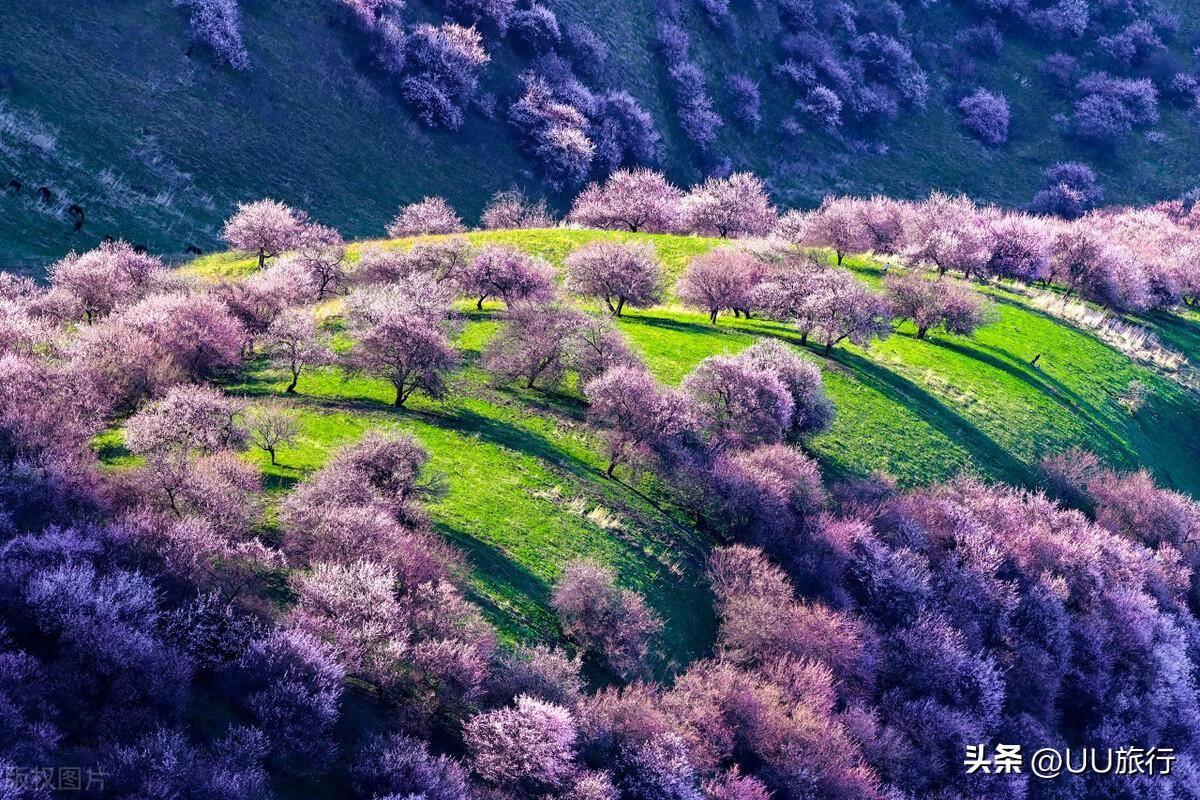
(400, 343)
(535, 344)
(841, 308)
(764, 495)
(266, 228)
(1020, 248)
(321, 253)
(636, 414)
(633, 200)
(947, 233)
(440, 260)
(722, 279)
(612, 622)
(507, 273)
(618, 273)
(196, 332)
(510, 210)
(812, 410)
(269, 426)
(597, 346)
(528, 747)
(294, 341)
(432, 215)
(424, 643)
(258, 300)
(838, 224)
(884, 220)
(99, 281)
(934, 304)
(737, 404)
(382, 472)
(729, 207)
(191, 422)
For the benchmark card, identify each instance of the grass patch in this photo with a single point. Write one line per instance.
(524, 493)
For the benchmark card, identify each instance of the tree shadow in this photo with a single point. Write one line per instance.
(1177, 332)
(513, 437)
(680, 326)
(508, 579)
(985, 451)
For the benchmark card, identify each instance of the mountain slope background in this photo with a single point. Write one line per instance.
(112, 107)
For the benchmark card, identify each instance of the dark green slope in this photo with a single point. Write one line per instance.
(101, 104)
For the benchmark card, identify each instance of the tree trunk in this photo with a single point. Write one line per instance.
(840, 256)
(611, 308)
(479, 303)
(921, 332)
(271, 450)
(612, 465)
(620, 306)
(804, 337)
(291, 389)
(262, 258)
(712, 317)
(399, 401)
(828, 347)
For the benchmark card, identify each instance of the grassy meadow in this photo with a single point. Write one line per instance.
(523, 491)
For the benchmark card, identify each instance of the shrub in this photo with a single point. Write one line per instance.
(443, 76)
(620, 274)
(624, 133)
(1068, 190)
(589, 52)
(216, 23)
(746, 103)
(553, 131)
(534, 28)
(986, 116)
(634, 200)
(433, 215)
(610, 622)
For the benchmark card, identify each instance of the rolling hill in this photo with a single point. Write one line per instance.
(524, 491)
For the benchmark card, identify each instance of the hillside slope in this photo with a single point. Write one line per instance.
(523, 486)
(111, 108)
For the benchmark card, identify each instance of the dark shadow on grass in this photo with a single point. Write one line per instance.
(507, 435)
(509, 579)
(984, 450)
(680, 326)
(1177, 332)
(274, 482)
(558, 403)
(1022, 371)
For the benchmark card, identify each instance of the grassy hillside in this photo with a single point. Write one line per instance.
(523, 489)
(102, 104)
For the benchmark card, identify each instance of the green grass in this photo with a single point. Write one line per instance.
(158, 145)
(522, 470)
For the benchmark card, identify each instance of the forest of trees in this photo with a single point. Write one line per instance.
(865, 632)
